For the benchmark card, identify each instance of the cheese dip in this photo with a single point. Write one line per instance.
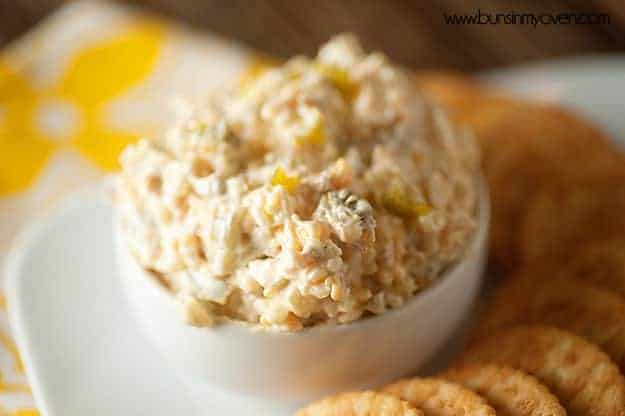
(318, 192)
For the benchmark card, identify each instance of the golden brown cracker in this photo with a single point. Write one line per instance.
(525, 148)
(366, 403)
(600, 262)
(502, 121)
(542, 295)
(438, 397)
(524, 145)
(581, 376)
(562, 216)
(511, 392)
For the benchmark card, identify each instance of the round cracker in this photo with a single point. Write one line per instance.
(511, 392)
(581, 376)
(538, 296)
(366, 403)
(562, 216)
(438, 397)
(600, 262)
(524, 145)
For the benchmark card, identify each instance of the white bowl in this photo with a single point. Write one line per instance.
(316, 361)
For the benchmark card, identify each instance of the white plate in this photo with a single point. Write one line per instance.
(592, 85)
(82, 353)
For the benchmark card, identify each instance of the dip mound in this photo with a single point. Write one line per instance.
(319, 192)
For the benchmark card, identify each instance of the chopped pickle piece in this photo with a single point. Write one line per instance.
(398, 203)
(280, 178)
(340, 79)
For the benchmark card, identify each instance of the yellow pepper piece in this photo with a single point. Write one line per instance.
(339, 77)
(280, 178)
(314, 136)
(399, 204)
(258, 66)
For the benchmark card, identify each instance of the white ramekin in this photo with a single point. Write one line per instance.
(304, 365)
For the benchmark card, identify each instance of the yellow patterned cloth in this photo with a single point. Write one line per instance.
(73, 92)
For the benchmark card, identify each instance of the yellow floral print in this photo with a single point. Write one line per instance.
(23, 149)
(98, 75)
(26, 413)
(94, 77)
(20, 412)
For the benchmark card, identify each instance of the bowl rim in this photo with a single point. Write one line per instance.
(449, 277)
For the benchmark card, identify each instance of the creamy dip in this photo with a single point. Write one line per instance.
(321, 191)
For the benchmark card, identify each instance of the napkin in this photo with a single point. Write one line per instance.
(84, 83)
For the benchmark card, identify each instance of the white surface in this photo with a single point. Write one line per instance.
(302, 366)
(82, 353)
(85, 354)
